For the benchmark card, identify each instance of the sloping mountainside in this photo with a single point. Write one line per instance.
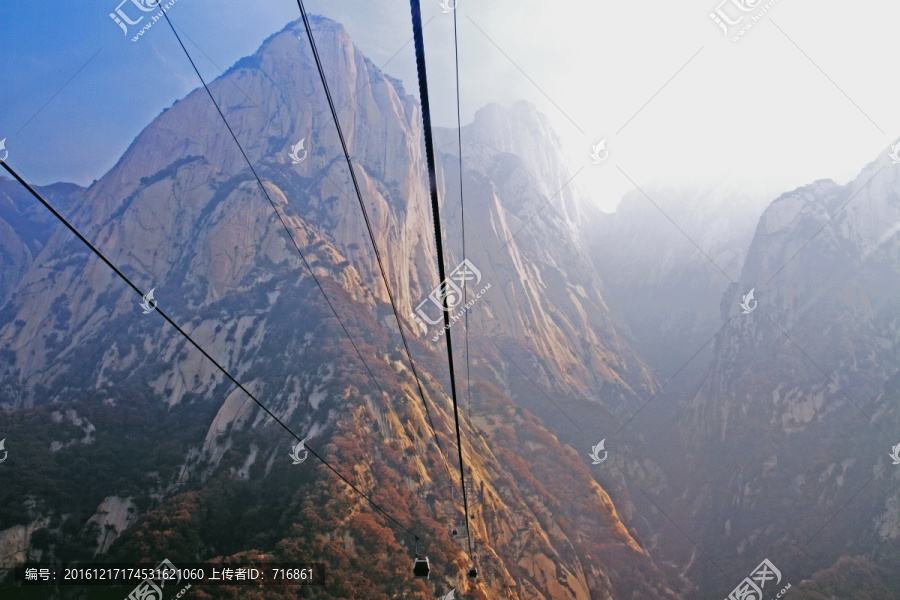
(125, 443)
(25, 228)
(788, 439)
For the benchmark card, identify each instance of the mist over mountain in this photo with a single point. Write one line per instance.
(667, 257)
(799, 401)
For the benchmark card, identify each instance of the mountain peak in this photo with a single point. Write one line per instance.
(517, 128)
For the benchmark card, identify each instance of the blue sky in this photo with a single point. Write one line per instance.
(808, 93)
(76, 90)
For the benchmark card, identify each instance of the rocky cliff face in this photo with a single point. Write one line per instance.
(798, 412)
(824, 264)
(182, 213)
(526, 231)
(25, 228)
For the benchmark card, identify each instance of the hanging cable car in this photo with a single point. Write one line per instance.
(421, 568)
(473, 572)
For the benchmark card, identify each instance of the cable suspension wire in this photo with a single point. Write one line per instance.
(436, 217)
(274, 207)
(462, 206)
(186, 336)
(365, 213)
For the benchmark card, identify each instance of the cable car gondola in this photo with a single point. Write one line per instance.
(421, 568)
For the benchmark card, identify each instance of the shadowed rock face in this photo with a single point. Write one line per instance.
(181, 213)
(25, 227)
(799, 406)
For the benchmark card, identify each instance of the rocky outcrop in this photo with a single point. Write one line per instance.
(113, 516)
(15, 544)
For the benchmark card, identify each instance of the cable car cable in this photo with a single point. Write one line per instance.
(416, 10)
(462, 206)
